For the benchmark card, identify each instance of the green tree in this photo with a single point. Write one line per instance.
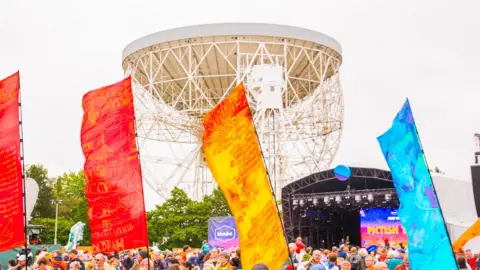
(43, 207)
(179, 218)
(47, 235)
(217, 203)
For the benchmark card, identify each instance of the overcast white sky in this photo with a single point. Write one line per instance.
(425, 50)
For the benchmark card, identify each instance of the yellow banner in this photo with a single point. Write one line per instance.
(233, 155)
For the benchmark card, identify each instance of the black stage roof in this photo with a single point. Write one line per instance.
(323, 192)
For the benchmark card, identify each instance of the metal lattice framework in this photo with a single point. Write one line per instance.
(300, 189)
(181, 74)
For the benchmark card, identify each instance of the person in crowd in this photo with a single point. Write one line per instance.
(354, 259)
(405, 264)
(223, 261)
(73, 257)
(462, 263)
(346, 265)
(114, 263)
(205, 247)
(158, 261)
(212, 260)
(341, 243)
(369, 262)
(22, 263)
(315, 260)
(308, 254)
(128, 260)
(186, 252)
(42, 264)
(236, 259)
(194, 259)
(331, 260)
(341, 252)
(396, 260)
(471, 260)
(74, 265)
(381, 266)
(11, 264)
(260, 266)
(101, 262)
(57, 261)
(28, 255)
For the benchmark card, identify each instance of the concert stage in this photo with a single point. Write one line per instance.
(323, 209)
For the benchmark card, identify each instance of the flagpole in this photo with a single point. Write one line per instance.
(24, 172)
(269, 179)
(140, 167)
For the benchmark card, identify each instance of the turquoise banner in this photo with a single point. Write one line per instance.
(429, 246)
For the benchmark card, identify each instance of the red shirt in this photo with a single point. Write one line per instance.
(472, 262)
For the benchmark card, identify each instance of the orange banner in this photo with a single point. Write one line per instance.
(12, 222)
(469, 234)
(114, 191)
(234, 157)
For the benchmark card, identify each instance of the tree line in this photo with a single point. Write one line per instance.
(174, 223)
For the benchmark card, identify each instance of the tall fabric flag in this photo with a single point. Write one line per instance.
(233, 155)
(12, 229)
(114, 190)
(75, 236)
(420, 213)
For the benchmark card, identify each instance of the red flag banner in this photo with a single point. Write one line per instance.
(12, 229)
(114, 189)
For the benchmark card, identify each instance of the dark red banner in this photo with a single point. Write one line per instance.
(12, 227)
(114, 189)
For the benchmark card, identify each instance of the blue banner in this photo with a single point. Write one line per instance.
(429, 246)
(222, 232)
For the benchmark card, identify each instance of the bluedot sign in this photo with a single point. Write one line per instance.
(342, 172)
(222, 232)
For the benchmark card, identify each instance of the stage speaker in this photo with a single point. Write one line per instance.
(476, 186)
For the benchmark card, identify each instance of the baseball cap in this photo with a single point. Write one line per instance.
(22, 258)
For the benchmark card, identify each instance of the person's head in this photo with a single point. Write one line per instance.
(142, 254)
(157, 255)
(237, 252)
(260, 266)
(100, 260)
(299, 238)
(292, 247)
(468, 253)
(57, 253)
(353, 250)
(42, 263)
(114, 262)
(461, 261)
(22, 260)
(316, 255)
(173, 261)
(405, 260)
(214, 253)
(187, 249)
(345, 266)
(74, 265)
(12, 263)
(223, 258)
(332, 257)
(381, 266)
(369, 261)
(72, 254)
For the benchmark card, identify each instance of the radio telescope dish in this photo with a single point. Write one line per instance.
(294, 91)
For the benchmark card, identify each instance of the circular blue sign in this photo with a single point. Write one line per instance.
(342, 172)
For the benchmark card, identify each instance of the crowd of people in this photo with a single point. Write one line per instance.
(343, 257)
(348, 257)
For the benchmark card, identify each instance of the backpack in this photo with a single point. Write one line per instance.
(355, 262)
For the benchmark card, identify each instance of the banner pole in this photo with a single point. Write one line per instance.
(24, 172)
(140, 167)
(269, 179)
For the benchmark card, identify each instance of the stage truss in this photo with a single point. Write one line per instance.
(177, 82)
